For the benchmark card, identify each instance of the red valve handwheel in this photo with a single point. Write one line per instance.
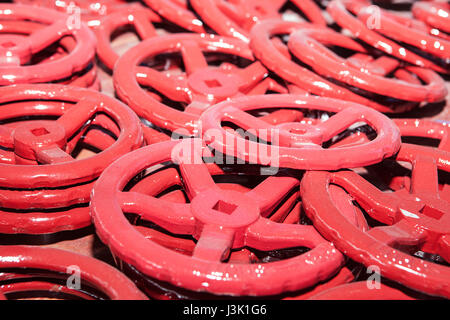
(275, 56)
(16, 52)
(409, 128)
(89, 11)
(435, 14)
(139, 17)
(405, 30)
(93, 273)
(361, 70)
(410, 221)
(177, 12)
(299, 144)
(360, 291)
(287, 211)
(59, 180)
(218, 219)
(340, 12)
(425, 129)
(197, 89)
(86, 78)
(236, 18)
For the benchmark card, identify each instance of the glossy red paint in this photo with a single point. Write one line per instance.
(345, 12)
(37, 169)
(17, 52)
(434, 13)
(218, 219)
(360, 291)
(139, 17)
(177, 12)
(236, 18)
(295, 144)
(196, 89)
(417, 219)
(361, 70)
(93, 272)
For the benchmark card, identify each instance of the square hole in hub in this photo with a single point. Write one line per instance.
(224, 207)
(39, 132)
(212, 83)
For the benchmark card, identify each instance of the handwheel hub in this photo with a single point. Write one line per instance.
(297, 134)
(37, 135)
(213, 83)
(227, 208)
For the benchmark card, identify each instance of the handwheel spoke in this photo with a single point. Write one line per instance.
(265, 85)
(143, 25)
(193, 57)
(177, 217)
(214, 243)
(169, 85)
(267, 235)
(399, 233)
(282, 116)
(198, 104)
(424, 176)
(246, 120)
(272, 191)
(252, 74)
(338, 123)
(77, 116)
(52, 155)
(196, 178)
(44, 37)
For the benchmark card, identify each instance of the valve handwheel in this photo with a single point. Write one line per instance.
(93, 273)
(38, 153)
(414, 220)
(16, 52)
(342, 11)
(297, 144)
(14, 29)
(405, 30)
(197, 89)
(361, 70)
(220, 220)
(276, 56)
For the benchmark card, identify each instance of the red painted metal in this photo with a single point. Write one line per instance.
(140, 18)
(90, 11)
(435, 14)
(93, 272)
(418, 128)
(16, 52)
(409, 31)
(16, 29)
(417, 220)
(197, 89)
(177, 11)
(361, 70)
(276, 56)
(341, 11)
(360, 291)
(236, 18)
(295, 144)
(59, 180)
(218, 219)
